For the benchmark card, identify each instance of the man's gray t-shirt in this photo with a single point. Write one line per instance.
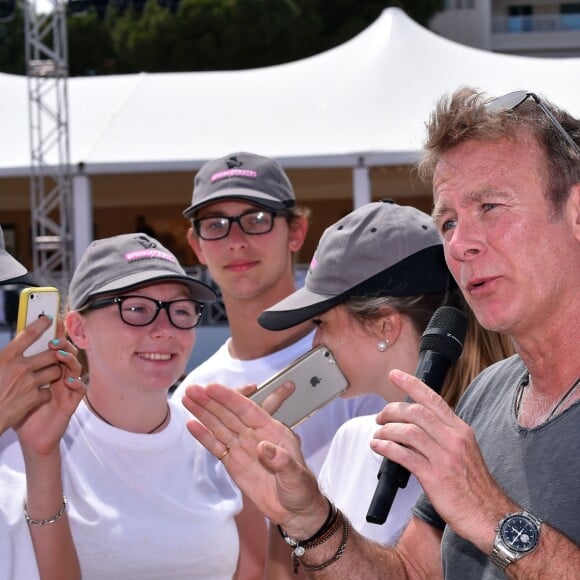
(538, 468)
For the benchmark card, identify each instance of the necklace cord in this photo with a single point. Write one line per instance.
(520, 395)
(111, 424)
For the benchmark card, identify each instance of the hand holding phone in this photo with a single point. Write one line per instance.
(35, 302)
(318, 381)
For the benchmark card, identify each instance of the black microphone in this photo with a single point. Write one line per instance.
(440, 347)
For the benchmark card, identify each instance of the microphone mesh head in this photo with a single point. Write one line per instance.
(445, 333)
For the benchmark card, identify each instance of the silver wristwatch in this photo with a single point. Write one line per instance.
(517, 534)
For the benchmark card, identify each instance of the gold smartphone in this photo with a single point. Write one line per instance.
(318, 381)
(33, 303)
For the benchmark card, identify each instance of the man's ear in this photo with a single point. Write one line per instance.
(75, 328)
(298, 230)
(194, 244)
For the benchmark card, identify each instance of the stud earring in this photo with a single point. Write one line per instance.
(382, 345)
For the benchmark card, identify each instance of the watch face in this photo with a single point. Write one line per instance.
(519, 533)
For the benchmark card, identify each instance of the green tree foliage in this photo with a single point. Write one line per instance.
(343, 19)
(12, 38)
(90, 46)
(226, 34)
(143, 41)
(126, 36)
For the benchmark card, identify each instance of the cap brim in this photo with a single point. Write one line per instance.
(424, 272)
(299, 307)
(198, 290)
(250, 195)
(10, 267)
(26, 280)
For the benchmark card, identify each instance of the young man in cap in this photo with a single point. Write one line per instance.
(246, 229)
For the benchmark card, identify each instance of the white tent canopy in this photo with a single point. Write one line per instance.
(360, 104)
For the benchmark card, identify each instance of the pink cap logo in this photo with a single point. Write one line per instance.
(235, 172)
(313, 263)
(149, 254)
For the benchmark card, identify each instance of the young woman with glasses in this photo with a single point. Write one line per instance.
(143, 499)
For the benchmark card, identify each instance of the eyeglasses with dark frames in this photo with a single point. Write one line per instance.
(515, 99)
(142, 310)
(253, 223)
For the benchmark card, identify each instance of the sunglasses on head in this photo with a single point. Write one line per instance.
(513, 100)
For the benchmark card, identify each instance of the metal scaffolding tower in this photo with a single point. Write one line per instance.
(50, 176)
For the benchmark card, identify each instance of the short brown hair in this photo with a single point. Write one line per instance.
(463, 116)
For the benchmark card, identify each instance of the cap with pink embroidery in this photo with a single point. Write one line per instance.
(245, 176)
(379, 249)
(121, 263)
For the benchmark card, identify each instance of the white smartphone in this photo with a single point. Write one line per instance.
(318, 381)
(33, 303)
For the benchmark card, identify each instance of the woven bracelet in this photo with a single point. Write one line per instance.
(54, 518)
(337, 554)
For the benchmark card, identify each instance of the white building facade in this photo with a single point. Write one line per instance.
(540, 28)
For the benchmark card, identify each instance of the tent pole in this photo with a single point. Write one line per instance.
(361, 185)
(82, 213)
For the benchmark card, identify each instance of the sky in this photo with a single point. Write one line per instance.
(44, 6)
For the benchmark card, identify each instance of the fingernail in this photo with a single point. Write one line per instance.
(55, 341)
(70, 380)
(49, 316)
(269, 450)
(63, 352)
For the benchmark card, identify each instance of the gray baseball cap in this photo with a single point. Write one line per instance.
(125, 262)
(9, 267)
(380, 249)
(246, 176)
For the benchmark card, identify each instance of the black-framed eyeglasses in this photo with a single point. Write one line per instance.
(515, 99)
(253, 223)
(142, 310)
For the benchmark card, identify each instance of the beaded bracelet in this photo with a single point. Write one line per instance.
(55, 518)
(328, 522)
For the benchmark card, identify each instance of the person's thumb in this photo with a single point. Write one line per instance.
(274, 457)
(290, 474)
(297, 486)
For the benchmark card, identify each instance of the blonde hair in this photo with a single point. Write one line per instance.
(482, 347)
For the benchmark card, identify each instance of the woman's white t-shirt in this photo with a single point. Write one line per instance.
(140, 506)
